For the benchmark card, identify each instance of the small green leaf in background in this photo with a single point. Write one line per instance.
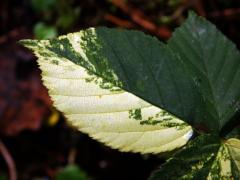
(72, 172)
(42, 5)
(67, 15)
(174, 3)
(67, 19)
(43, 31)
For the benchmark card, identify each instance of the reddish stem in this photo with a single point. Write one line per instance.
(139, 18)
(119, 22)
(9, 161)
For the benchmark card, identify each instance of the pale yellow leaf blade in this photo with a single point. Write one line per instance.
(108, 115)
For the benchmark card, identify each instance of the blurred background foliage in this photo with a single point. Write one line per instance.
(35, 140)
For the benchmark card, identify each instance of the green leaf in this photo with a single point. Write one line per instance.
(90, 94)
(42, 5)
(43, 31)
(204, 158)
(72, 172)
(213, 63)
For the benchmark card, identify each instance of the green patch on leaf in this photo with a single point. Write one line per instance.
(165, 123)
(135, 114)
(55, 62)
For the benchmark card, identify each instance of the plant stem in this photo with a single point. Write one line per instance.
(9, 161)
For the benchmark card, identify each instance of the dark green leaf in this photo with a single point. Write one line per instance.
(213, 63)
(42, 5)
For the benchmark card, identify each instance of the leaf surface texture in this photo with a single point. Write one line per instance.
(93, 99)
(204, 158)
(213, 63)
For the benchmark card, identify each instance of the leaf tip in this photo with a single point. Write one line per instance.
(28, 43)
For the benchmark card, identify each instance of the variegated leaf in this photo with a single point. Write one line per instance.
(99, 106)
(207, 157)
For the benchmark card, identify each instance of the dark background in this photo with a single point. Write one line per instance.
(35, 141)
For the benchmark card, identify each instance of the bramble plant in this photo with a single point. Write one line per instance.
(134, 93)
